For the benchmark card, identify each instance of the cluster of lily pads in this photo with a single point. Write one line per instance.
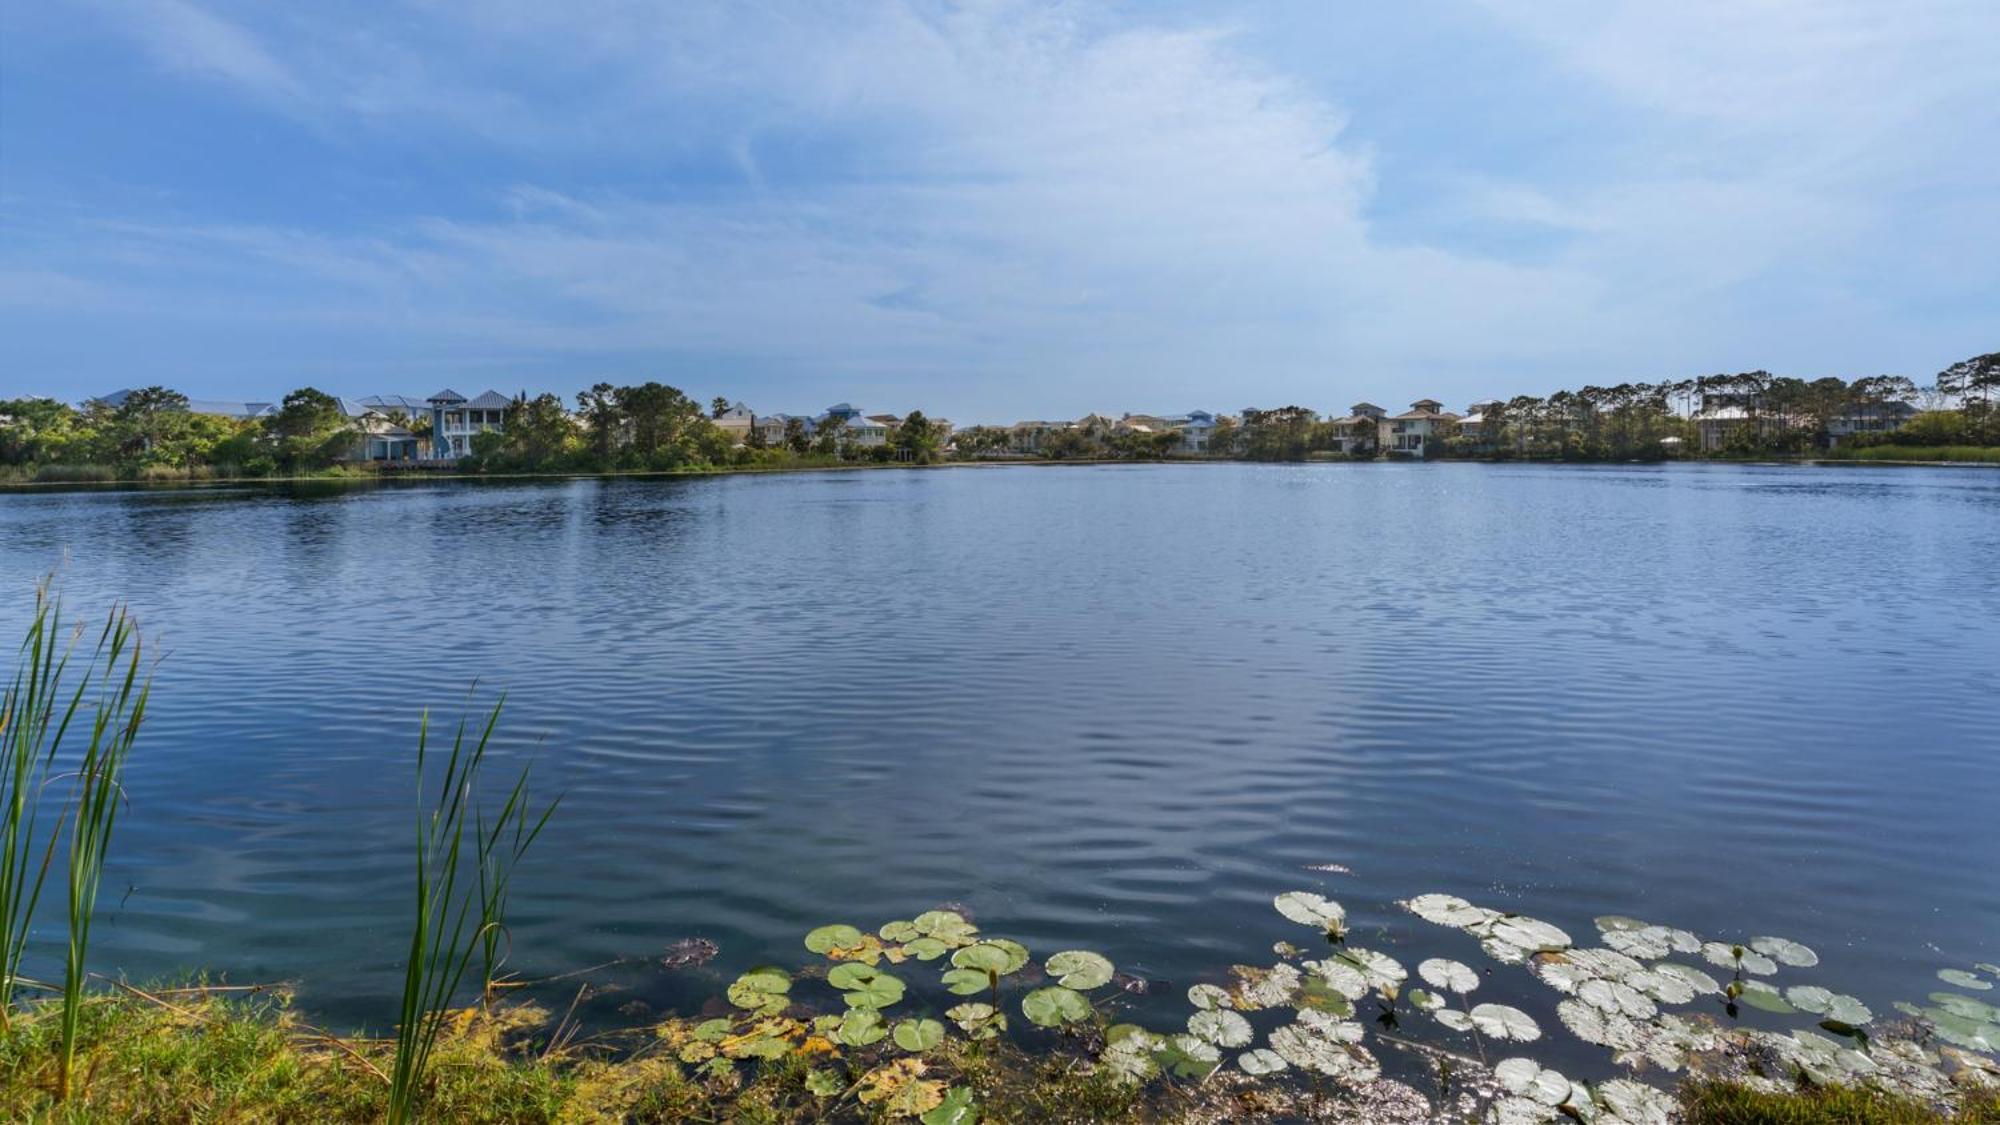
(1615, 995)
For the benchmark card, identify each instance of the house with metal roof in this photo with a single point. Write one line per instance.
(455, 419)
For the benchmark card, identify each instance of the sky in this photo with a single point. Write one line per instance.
(993, 209)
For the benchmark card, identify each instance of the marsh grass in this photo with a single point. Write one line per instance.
(93, 807)
(457, 918)
(35, 723)
(1726, 1103)
(1989, 454)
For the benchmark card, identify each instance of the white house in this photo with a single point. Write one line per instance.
(1410, 433)
(1360, 428)
(455, 419)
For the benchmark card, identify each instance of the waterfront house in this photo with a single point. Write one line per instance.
(1030, 436)
(1869, 418)
(1196, 427)
(455, 419)
(378, 436)
(1409, 434)
(735, 422)
(1359, 430)
(1482, 424)
(240, 411)
(855, 428)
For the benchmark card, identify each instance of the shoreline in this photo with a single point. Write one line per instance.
(401, 477)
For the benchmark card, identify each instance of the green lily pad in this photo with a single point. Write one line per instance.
(861, 1026)
(966, 982)
(990, 957)
(828, 938)
(946, 926)
(1764, 998)
(926, 948)
(1054, 1006)
(865, 987)
(1080, 969)
(1188, 1057)
(825, 1083)
(1963, 979)
(1785, 952)
(957, 1108)
(900, 932)
(978, 1021)
(1957, 1030)
(919, 1035)
(762, 989)
(1961, 1004)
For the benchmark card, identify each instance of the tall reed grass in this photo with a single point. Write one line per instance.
(457, 918)
(37, 717)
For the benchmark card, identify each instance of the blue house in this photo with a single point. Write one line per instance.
(455, 418)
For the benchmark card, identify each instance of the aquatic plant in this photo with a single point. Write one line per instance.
(452, 922)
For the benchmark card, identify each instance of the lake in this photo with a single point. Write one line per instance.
(1107, 707)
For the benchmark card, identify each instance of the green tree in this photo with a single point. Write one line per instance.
(1973, 382)
(916, 438)
(796, 437)
(601, 420)
(717, 407)
(309, 431)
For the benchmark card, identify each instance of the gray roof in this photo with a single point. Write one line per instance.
(491, 400)
(446, 395)
(404, 403)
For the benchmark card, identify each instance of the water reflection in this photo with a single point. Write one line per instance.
(1117, 708)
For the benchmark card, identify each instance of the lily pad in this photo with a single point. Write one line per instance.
(926, 948)
(966, 982)
(1380, 969)
(945, 925)
(860, 1027)
(1221, 1027)
(1188, 1057)
(1207, 996)
(1963, 979)
(1080, 969)
(1054, 1006)
(1261, 1061)
(1447, 910)
(828, 938)
(825, 1083)
(1343, 977)
(865, 987)
(1764, 998)
(1500, 1021)
(1309, 909)
(978, 1021)
(901, 932)
(1531, 934)
(919, 1035)
(762, 989)
(1528, 1078)
(986, 957)
(1129, 1054)
(1701, 982)
(1452, 976)
(957, 1108)
(1785, 951)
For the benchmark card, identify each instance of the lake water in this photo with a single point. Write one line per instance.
(1109, 707)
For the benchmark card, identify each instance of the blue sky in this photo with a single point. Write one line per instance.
(992, 209)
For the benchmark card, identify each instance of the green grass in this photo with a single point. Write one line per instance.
(1988, 454)
(1724, 1103)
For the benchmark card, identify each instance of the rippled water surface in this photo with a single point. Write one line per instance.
(1116, 708)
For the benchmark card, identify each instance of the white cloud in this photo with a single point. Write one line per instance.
(1113, 213)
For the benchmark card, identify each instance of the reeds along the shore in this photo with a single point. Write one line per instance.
(456, 918)
(36, 720)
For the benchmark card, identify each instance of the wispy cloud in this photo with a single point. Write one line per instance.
(1008, 207)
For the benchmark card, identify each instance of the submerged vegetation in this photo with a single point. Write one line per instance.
(931, 1017)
